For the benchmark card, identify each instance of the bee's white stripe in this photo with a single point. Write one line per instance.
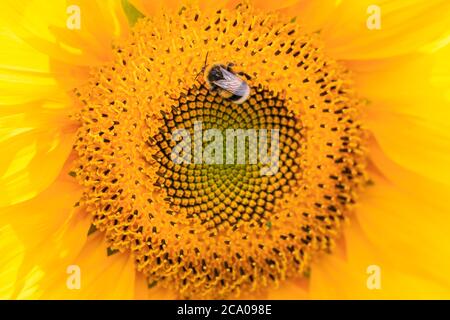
(245, 94)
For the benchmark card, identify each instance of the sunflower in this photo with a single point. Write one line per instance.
(88, 111)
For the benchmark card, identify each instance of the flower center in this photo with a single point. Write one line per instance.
(216, 229)
(221, 193)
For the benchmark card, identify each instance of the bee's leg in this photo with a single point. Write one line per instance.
(230, 66)
(246, 75)
(213, 88)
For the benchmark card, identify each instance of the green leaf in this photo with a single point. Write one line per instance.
(133, 14)
(307, 273)
(72, 174)
(91, 230)
(110, 251)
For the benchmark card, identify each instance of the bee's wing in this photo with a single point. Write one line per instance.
(231, 83)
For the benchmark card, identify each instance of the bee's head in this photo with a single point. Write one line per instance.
(215, 72)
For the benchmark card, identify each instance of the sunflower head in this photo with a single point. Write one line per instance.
(130, 169)
(215, 230)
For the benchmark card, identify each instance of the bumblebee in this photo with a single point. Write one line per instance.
(229, 85)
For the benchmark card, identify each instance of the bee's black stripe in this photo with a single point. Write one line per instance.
(234, 97)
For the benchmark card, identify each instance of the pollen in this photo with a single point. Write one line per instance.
(219, 230)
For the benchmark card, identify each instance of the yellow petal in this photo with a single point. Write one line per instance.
(35, 130)
(25, 73)
(415, 84)
(35, 220)
(10, 260)
(291, 289)
(410, 100)
(44, 26)
(406, 26)
(32, 157)
(400, 225)
(411, 235)
(311, 15)
(46, 260)
(333, 278)
(417, 145)
(268, 5)
(414, 185)
(49, 231)
(101, 276)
